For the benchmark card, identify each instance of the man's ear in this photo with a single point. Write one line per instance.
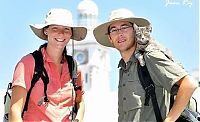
(110, 39)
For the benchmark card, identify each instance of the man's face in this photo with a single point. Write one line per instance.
(121, 35)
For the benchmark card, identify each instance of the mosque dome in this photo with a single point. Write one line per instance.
(88, 7)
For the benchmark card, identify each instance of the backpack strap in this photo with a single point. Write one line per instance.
(149, 87)
(39, 72)
(8, 92)
(72, 65)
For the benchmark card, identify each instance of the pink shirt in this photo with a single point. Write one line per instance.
(59, 90)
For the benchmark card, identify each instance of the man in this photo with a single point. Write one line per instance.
(119, 33)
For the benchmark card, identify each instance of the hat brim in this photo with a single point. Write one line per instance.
(100, 32)
(79, 33)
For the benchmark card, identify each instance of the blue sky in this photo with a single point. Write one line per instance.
(175, 25)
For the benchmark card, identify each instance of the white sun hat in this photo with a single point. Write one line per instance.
(122, 14)
(59, 16)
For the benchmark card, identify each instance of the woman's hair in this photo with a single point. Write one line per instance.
(43, 45)
(64, 54)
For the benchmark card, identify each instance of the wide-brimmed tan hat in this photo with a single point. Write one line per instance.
(59, 16)
(101, 31)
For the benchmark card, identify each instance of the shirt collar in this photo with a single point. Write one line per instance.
(46, 57)
(124, 65)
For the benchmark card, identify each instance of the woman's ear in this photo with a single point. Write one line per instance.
(45, 31)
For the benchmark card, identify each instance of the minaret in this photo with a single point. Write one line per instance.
(87, 14)
(92, 58)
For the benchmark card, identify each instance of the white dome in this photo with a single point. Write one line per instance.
(88, 7)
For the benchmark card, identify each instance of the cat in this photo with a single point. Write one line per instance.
(146, 43)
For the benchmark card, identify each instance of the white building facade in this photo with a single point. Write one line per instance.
(92, 58)
(94, 61)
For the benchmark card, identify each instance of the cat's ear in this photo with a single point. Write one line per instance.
(135, 26)
(149, 28)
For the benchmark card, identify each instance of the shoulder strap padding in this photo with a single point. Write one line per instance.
(39, 72)
(72, 65)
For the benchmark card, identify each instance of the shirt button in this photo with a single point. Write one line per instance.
(124, 98)
(59, 93)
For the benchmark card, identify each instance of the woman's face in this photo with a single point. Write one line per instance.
(58, 36)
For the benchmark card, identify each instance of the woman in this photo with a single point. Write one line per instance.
(58, 31)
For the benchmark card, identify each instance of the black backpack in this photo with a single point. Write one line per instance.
(40, 72)
(188, 115)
